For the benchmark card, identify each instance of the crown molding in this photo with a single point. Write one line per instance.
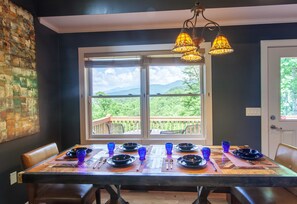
(170, 19)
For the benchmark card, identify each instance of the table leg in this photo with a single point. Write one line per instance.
(115, 196)
(203, 193)
(98, 196)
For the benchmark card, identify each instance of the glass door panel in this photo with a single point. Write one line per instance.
(288, 88)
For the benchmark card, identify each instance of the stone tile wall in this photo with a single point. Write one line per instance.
(18, 78)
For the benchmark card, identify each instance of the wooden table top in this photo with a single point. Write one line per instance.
(156, 171)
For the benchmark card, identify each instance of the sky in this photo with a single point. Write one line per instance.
(105, 79)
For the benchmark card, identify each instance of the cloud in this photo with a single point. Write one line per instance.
(165, 75)
(105, 79)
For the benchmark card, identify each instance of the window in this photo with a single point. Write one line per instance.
(288, 85)
(144, 94)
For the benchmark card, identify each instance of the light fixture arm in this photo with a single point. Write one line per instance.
(189, 45)
(211, 28)
(197, 10)
(185, 25)
(215, 24)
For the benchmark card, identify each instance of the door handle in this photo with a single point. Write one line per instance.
(275, 128)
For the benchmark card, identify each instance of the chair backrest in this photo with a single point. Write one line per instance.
(115, 128)
(192, 129)
(37, 155)
(287, 156)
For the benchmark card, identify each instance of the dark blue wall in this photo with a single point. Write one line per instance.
(236, 82)
(49, 110)
(235, 77)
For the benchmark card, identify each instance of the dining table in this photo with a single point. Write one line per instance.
(223, 170)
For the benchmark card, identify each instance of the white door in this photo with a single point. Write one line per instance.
(281, 117)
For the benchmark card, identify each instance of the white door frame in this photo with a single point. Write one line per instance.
(265, 44)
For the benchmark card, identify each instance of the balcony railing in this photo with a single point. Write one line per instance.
(174, 125)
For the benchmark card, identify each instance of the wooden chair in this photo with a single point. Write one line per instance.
(192, 129)
(115, 128)
(56, 193)
(285, 155)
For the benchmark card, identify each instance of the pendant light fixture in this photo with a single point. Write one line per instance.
(189, 46)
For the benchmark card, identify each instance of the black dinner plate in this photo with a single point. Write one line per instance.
(129, 150)
(193, 149)
(185, 146)
(130, 145)
(130, 161)
(72, 153)
(200, 165)
(247, 154)
(192, 159)
(121, 158)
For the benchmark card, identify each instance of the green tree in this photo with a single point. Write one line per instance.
(191, 80)
(288, 83)
(103, 106)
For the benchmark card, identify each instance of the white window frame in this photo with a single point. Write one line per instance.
(85, 136)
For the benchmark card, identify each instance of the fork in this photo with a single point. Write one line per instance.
(97, 163)
(102, 162)
(171, 163)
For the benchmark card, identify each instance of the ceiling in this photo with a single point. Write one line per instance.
(170, 19)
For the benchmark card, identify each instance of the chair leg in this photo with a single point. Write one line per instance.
(31, 190)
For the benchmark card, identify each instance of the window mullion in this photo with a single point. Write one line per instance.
(202, 95)
(144, 99)
(89, 102)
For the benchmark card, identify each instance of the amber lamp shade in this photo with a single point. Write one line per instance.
(192, 56)
(220, 46)
(184, 43)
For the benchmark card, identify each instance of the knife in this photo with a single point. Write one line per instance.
(214, 167)
(138, 168)
(167, 164)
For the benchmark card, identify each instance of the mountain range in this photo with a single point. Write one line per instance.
(154, 89)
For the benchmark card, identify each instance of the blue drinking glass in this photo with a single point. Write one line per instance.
(142, 153)
(110, 147)
(206, 153)
(81, 155)
(169, 147)
(226, 146)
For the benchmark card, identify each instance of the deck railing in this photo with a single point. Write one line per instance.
(182, 125)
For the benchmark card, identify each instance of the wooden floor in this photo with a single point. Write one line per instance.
(163, 197)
